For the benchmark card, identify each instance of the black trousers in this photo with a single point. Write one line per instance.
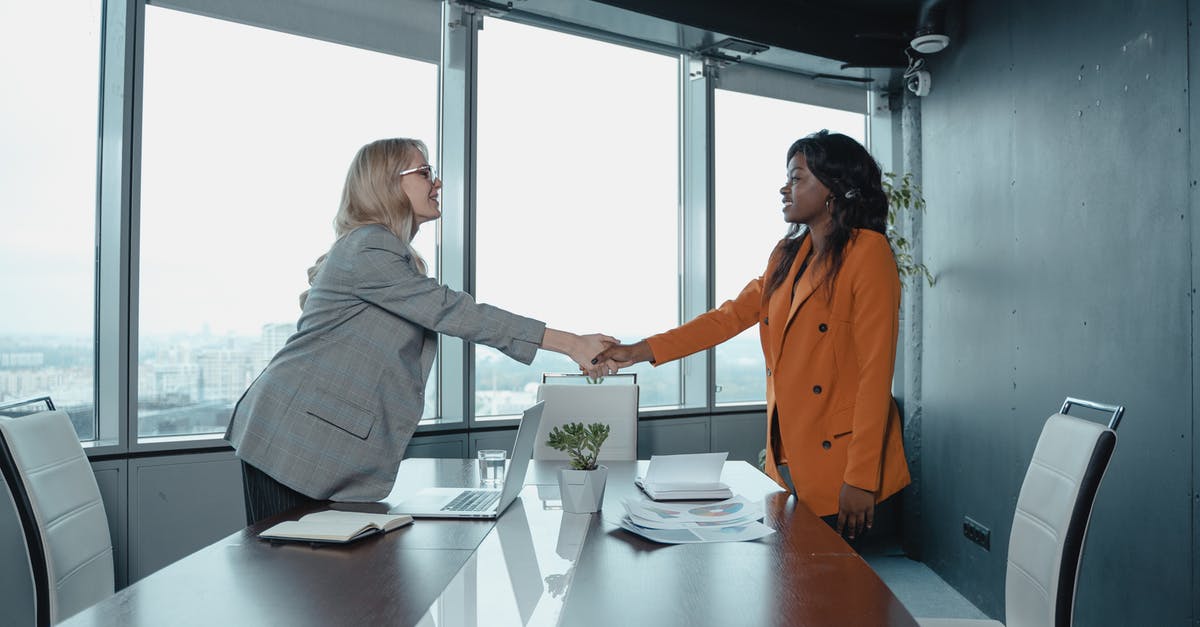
(882, 534)
(266, 497)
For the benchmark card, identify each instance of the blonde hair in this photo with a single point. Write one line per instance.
(372, 195)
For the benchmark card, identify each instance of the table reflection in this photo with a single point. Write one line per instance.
(521, 572)
(550, 495)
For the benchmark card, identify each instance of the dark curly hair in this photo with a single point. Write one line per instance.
(857, 201)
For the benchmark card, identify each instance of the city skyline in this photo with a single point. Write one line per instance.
(187, 384)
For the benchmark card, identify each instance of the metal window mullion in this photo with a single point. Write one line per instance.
(116, 258)
(456, 138)
(696, 221)
(133, 234)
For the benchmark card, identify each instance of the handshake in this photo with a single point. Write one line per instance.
(599, 355)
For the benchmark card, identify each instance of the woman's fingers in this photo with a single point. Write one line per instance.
(857, 507)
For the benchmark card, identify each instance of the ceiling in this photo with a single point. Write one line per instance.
(848, 42)
(859, 33)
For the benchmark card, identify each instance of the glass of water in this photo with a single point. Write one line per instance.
(491, 467)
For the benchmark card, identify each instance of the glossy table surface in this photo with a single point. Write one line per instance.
(536, 565)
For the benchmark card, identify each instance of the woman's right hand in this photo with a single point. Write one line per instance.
(623, 355)
(582, 349)
(588, 347)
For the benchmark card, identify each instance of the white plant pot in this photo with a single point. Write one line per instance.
(582, 490)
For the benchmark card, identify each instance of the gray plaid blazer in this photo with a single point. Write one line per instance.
(331, 414)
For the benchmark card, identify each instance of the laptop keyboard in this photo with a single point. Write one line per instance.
(473, 501)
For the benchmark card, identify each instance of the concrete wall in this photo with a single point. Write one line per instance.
(1056, 146)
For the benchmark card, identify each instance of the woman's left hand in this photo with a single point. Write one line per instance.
(856, 510)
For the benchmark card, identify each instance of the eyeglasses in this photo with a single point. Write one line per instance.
(426, 171)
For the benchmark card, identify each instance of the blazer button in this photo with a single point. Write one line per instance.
(816, 389)
(768, 372)
(822, 327)
(767, 320)
(825, 445)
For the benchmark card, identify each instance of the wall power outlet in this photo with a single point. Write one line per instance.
(977, 533)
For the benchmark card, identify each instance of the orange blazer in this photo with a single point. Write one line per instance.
(830, 357)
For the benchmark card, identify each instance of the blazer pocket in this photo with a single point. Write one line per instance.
(342, 414)
(840, 423)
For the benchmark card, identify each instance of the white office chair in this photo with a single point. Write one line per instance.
(24, 407)
(58, 501)
(614, 404)
(1051, 521)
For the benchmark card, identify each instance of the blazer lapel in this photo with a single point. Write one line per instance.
(783, 305)
(804, 289)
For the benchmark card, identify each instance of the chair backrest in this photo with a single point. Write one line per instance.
(613, 404)
(61, 512)
(1051, 520)
(16, 409)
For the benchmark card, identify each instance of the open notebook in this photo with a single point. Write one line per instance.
(336, 526)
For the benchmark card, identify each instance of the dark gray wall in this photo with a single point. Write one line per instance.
(1056, 166)
(179, 504)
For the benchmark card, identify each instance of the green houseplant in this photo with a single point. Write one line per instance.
(580, 443)
(581, 485)
(904, 195)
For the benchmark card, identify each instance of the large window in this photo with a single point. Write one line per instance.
(50, 69)
(578, 199)
(753, 134)
(246, 138)
(237, 157)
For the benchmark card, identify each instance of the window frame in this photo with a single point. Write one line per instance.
(118, 78)
(286, 28)
(86, 124)
(118, 224)
(118, 209)
(566, 28)
(754, 80)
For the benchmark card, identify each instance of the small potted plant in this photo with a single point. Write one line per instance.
(582, 484)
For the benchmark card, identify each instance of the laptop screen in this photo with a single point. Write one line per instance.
(527, 431)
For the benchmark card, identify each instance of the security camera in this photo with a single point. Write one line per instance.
(920, 83)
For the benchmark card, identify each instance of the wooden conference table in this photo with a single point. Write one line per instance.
(536, 565)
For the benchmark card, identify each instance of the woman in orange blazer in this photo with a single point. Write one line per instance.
(827, 310)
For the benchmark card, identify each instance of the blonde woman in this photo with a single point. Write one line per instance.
(332, 413)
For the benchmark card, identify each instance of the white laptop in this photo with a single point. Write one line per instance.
(480, 502)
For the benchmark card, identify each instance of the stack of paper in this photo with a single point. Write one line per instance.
(687, 477)
(732, 520)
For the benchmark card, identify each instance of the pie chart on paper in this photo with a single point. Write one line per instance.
(716, 509)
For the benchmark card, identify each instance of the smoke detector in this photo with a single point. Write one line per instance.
(930, 43)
